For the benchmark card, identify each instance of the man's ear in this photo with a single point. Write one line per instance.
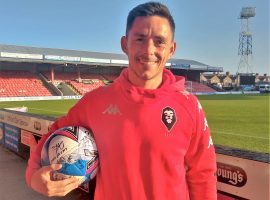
(172, 48)
(124, 44)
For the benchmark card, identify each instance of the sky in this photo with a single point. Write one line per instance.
(206, 30)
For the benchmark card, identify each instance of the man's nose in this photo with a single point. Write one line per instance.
(150, 47)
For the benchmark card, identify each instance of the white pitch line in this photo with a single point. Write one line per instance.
(48, 110)
(35, 108)
(6, 104)
(250, 136)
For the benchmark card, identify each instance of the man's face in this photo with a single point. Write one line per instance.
(149, 45)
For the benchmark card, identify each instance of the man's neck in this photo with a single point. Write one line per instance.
(153, 83)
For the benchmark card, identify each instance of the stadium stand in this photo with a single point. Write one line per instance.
(83, 88)
(89, 82)
(86, 83)
(21, 83)
(67, 76)
(59, 76)
(110, 77)
(195, 87)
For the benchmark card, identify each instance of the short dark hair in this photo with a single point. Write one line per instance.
(150, 9)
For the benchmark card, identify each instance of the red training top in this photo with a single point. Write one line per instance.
(153, 144)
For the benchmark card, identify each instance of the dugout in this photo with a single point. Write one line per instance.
(241, 174)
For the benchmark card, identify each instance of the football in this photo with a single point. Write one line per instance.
(74, 147)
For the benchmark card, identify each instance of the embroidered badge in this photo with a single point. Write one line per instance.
(168, 117)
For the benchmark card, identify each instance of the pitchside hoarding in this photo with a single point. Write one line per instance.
(12, 137)
(1, 133)
(28, 139)
(25, 121)
(243, 178)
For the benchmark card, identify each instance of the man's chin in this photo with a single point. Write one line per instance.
(146, 75)
(150, 67)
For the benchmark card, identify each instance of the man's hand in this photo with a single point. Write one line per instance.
(42, 183)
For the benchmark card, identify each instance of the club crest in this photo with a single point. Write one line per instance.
(168, 117)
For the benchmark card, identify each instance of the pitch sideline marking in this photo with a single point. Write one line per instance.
(250, 136)
(48, 110)
(36, 109)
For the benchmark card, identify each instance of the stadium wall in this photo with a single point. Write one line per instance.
(37, 98)
(240, 174)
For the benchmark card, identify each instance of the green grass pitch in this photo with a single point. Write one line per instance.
(240, 121)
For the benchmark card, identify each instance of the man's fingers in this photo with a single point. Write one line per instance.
(55, 166)
(63, 187)
(52, 167)
(42, 183)
(65, 182)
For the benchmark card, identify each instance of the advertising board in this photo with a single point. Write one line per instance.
(119, 62)
(25, 121)
(28, 139)
(243, 178)
(22, 55)
(12, 137)
(1, 133)
(62, 58)
(222, 196)
(95, 60)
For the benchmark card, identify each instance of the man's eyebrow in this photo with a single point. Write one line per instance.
(156, 37)
(140, 35)
(160, 38)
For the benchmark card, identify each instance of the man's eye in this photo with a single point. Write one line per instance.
(160, 42)
(139, 39)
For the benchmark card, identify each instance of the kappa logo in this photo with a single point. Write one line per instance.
(112, 110)
(205, 124)
(210, 143)
(168, 117)
(199, 106)
(185, 93)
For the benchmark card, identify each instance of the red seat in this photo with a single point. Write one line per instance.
(20, 83)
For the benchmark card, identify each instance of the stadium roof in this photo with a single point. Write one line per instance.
(14, 53)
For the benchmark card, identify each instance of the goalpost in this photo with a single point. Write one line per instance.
(188, 86)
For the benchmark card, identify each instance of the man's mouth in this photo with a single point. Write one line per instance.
(148, 62)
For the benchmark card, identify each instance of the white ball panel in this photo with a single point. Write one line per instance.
(59, 147)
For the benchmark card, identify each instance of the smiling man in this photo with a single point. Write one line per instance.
(150, 133)
(148, 44)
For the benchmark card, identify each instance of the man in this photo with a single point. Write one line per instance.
(154, 145)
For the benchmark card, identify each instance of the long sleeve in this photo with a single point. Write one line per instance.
(200, 160)
(34, 160)
(75, 117)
